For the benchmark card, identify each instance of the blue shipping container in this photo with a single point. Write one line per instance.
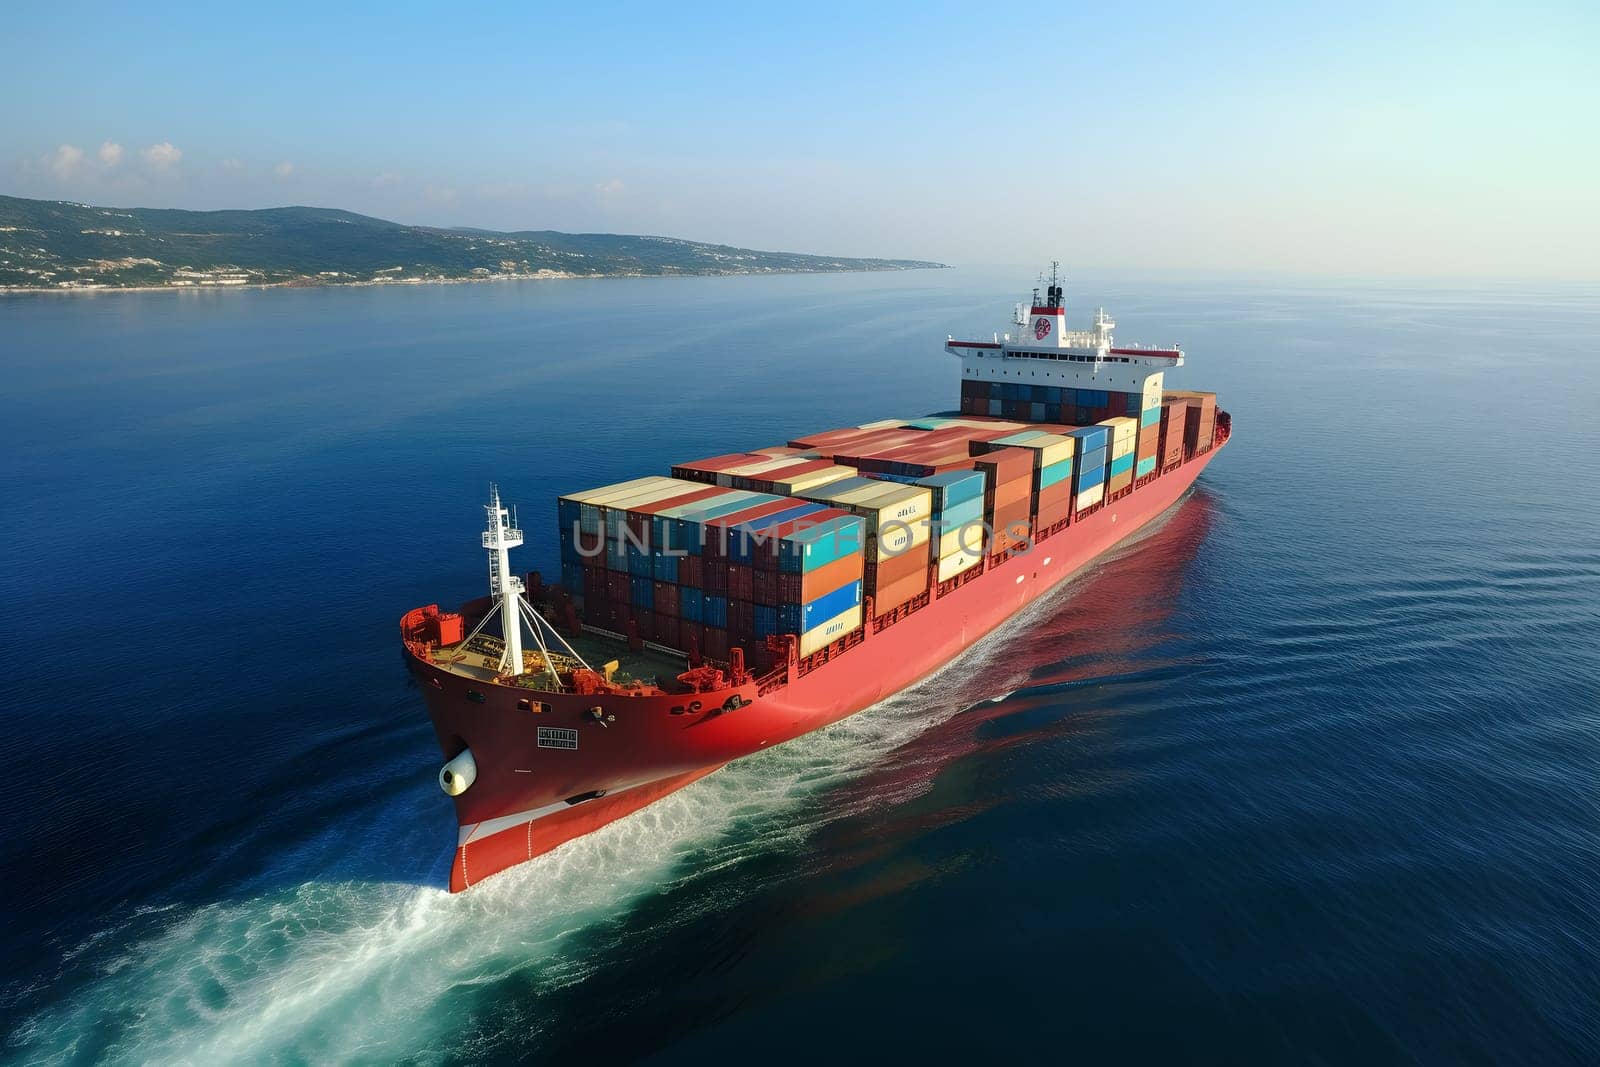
(665, 567)
(828, 605)
(953, 487)
(1090, 438)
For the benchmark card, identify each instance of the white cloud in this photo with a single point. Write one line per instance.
(386, 179)
(162, 157)
(610, 188)
(439, 195)
(65, 160)
(232, 166)
(283, 169)
(110, 154)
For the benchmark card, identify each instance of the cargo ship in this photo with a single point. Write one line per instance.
(740, 601)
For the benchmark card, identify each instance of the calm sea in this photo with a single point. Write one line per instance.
(1310, 774)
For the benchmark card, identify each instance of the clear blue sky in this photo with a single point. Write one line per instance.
(1448, 139)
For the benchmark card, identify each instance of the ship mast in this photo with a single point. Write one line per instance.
(499, 538)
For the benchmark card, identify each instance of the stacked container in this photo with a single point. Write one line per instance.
(1149, 426)
(1124, 439)
(957, 520)
(897, 520)
(1089, 474)
(1174, 412)
(689, 564)
(1201, 421)
(1007, 495)
(1051, 491)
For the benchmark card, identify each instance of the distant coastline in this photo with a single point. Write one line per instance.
(549, 276)
(65, 247)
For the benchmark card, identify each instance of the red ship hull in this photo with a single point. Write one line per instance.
(528, 798)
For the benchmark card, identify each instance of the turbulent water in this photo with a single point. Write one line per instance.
(1309, 773)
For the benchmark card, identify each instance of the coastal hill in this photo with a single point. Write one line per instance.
(52, 244)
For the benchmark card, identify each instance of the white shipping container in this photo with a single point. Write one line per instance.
(955, 563)
(1090, 497)
(824, 634)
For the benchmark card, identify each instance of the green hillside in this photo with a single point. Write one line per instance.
(50, 244)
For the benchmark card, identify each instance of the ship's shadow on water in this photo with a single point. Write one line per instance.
(347, 939)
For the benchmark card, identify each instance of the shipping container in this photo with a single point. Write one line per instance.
(1048, 447)
(640, 518)
(705, 470)
(787, 485)
(588, 502)
(689, 532)
(825, 634)
(717, 533)
(1089, 439)
(957, 562)
(1090, 496)
(1173, 416)
(804, 587)
(838, 535)
(953, 488)
(1124, 435)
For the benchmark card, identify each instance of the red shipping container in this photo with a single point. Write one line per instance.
(667, 632)
(891, 569)
(645, 621)
(765, 587)
(741, 616)
(716, 644)
(1051, 514)
(691, 633)
(1011, 525)
(618, 586)
(705, 470)
(716, 577)
(691, 571)
(893, 595)
(741, 582)
(1004, 465)
(666, 598)
(1007, 493)
(1173, 420)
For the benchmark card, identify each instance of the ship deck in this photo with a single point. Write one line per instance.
(479, 658)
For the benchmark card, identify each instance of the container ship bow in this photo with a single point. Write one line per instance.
(743, 600)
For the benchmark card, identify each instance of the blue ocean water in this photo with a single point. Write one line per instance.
(1310, 773)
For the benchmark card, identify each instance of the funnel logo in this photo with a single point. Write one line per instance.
(1041, 328)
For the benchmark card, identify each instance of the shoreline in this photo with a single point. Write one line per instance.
(541, 276)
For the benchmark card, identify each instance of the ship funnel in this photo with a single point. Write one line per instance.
(457, 776)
